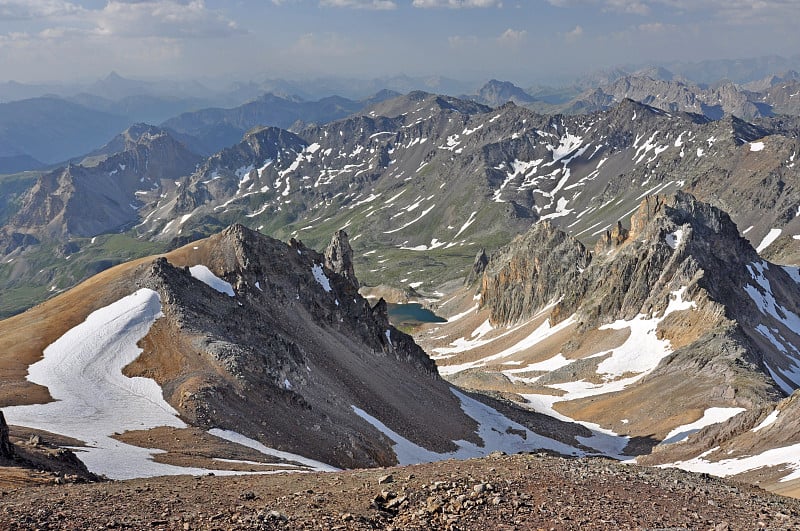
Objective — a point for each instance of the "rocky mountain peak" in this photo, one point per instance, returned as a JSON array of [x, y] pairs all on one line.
[[496, 93], [672, 238], [339, 257], [6, 448]]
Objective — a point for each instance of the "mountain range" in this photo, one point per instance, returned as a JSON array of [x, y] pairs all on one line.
[[619, 282], [245, 346], [381, 176]]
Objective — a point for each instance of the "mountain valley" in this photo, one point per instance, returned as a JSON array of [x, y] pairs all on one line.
[[615, 282]]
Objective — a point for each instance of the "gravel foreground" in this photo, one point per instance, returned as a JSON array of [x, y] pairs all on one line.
[[499, 492]]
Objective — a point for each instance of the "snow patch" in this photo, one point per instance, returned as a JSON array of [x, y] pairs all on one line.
[[674, 239], [204, 275], [238, 438], [497, 432], [712, 415], [772, 417], [643, 350], [93, 399], [768, 239], [321, 278]]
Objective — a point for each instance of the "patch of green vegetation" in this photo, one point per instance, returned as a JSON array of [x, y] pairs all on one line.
[[38, 273], [12, 189]]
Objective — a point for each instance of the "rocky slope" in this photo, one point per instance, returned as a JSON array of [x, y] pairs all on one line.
[[672, 323], [241, 351], [386, 179], [752, 447], [497, 492]]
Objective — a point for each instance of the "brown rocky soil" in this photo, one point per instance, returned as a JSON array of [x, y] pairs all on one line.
[[498, 492]]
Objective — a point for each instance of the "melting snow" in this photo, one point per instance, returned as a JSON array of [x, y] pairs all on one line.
[[768, 239], [497, 432], [567, 145], [643, 350], [321, 278], [756, 146], [204, 275], [424, 213], [83, 372], [674, 239], [540, 334], [788, 456], [712, 415], [772, 417], [238, 438], [466, 225]]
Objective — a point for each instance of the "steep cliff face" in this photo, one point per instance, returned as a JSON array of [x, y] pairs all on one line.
[[532, 271], [673, 241], [339, 257]]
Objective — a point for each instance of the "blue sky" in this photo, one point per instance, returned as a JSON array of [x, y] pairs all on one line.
[[522, 41]]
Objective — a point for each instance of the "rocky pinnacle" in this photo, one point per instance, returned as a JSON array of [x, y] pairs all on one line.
[[339, 257], [6, 448]]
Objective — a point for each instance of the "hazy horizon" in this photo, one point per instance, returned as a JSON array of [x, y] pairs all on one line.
[[471, 40]]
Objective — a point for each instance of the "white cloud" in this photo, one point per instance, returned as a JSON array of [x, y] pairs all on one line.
[[456, 4], [360, 4], [462, 41], [512, 37], [574, 34], [33, 9], [162, 18], [738, 11], [638, 7]]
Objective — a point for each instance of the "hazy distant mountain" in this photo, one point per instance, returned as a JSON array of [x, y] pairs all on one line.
[[145, 108], [495, 93], [101, 194], [735, 70], [772, 80], [216, 128], [354, 88], [51, 130]]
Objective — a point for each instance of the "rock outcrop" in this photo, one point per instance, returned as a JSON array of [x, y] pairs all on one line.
[[530, 272], [6, 448], [339, 257], [478, 267]]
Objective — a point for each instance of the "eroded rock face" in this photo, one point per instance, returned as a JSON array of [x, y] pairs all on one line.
[[6, 448], [478, 267], [528, 273]]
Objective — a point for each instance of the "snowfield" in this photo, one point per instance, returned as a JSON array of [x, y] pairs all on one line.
[[94, 400], [497, 431]]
